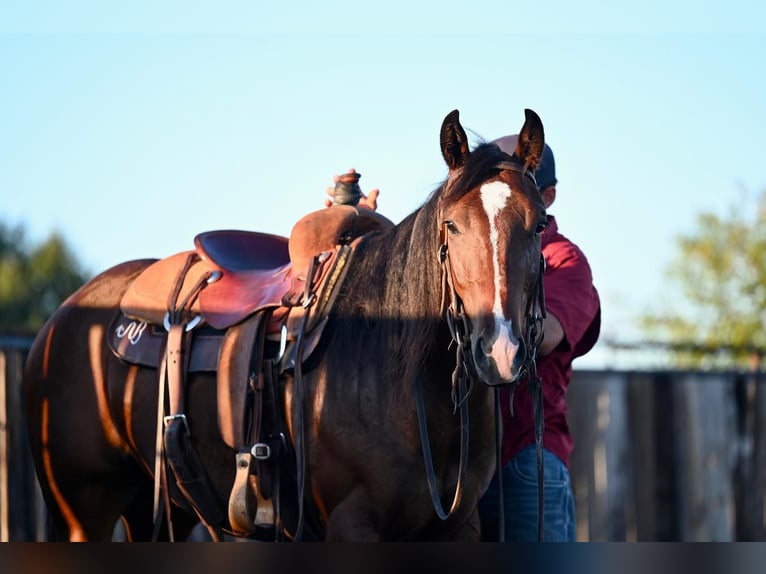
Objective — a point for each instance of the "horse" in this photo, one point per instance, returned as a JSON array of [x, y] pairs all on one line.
[[388, 412]]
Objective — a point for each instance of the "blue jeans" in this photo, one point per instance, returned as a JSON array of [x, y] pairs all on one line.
[[520, 501]]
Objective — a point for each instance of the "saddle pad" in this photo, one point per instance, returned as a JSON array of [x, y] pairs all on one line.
[[226, 353], [142, 343]]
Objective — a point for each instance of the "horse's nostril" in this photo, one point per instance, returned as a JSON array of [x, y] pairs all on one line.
[[480, 354]]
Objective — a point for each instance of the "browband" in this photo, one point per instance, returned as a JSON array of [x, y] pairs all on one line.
[[514, 166]]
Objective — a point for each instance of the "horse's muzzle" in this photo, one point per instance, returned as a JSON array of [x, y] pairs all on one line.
[[501, 361]]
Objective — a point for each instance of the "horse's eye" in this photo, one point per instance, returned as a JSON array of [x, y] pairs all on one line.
[[451, 227], [541, 227]]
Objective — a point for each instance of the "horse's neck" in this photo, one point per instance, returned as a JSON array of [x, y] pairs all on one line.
[[390, 291], [394, 273]]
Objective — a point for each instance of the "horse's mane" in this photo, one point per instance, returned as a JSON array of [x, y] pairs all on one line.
[[393, 293]]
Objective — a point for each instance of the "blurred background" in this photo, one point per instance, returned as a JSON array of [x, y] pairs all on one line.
[[126, 130]]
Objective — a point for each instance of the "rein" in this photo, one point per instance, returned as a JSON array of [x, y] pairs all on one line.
[[535, 331], [462, 379], [464, 375]]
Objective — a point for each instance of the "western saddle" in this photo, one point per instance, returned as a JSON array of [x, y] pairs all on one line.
[[214, 308]]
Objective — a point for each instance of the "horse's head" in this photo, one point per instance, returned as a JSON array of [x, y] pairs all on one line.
[[491, 216]]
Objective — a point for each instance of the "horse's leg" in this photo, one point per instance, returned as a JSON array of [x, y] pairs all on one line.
[[351, 520], [86, 483], [87, 486], [85, 506]]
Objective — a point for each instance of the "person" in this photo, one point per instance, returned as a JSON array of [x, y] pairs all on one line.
[[370, 200], [572, 326]]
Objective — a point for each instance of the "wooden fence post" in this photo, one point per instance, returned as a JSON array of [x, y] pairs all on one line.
[[705, 456], [641, 419], [22, 512], [750, 470], [4, 444], [757, 528]]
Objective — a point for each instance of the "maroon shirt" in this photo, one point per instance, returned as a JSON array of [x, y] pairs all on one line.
[[572, 298]]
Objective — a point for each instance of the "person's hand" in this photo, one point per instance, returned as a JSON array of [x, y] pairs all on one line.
[[369, 201]]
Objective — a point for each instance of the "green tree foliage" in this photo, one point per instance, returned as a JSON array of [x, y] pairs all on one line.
[[34, 281], [721, 273]]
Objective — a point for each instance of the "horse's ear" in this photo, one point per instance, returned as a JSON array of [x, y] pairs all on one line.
[[531, 141], [454, 142]]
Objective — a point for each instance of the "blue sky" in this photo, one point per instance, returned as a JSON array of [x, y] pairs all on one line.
[[131, 128]]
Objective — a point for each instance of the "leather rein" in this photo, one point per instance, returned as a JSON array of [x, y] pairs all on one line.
[[464, 376]]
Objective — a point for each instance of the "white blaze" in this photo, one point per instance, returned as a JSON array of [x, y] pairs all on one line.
[[494, 197]]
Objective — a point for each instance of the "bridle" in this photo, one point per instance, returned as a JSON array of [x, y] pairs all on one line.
[[451, 307], [465, 374]]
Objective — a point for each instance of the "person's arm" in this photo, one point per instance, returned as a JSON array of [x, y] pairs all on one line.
[[571, 301], [553, 335], [370, 201]]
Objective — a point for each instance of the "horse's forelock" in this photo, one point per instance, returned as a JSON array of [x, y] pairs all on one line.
[[477, 168]]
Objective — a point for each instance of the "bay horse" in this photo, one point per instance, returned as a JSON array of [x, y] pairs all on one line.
[[428, 317]]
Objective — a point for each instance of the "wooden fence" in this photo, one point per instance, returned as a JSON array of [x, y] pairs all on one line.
[[669, 456], [659, 456]]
